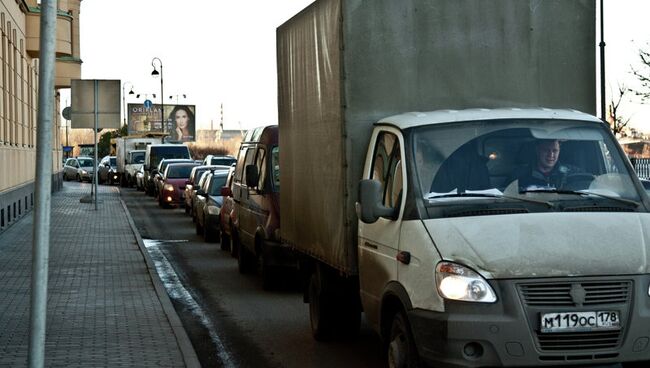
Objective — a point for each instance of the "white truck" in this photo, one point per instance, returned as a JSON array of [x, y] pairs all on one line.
[[415, 183], [130, 152]]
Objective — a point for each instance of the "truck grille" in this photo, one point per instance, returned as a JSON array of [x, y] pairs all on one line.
[[559, 294], [582, 294]]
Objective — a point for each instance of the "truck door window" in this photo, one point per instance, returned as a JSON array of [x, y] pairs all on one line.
[[248, 160], [240, 164], [387, 168], [260, 162], [275, 168]]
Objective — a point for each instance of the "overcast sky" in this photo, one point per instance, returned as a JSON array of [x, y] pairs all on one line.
[[223, 51]]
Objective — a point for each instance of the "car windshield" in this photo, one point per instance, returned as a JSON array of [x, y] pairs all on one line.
[[216, 184], [547, 160], [85, 162], [179, 171], [137, 157], [160, 152], [113, 161], [197, 175], [225, 161]]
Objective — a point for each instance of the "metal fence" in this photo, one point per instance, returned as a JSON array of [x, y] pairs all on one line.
[[641, 166]]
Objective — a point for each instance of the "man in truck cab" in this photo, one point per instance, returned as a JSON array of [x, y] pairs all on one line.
[[546, 172]]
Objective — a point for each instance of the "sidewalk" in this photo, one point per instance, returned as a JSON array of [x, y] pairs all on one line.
[[106, 304]]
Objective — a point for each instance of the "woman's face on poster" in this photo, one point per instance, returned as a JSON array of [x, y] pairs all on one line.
[[182, 120]]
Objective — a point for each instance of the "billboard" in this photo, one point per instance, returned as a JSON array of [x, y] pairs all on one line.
[[180, 120]]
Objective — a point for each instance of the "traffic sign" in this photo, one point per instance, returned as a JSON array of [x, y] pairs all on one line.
[[67, 113], [147, 104]]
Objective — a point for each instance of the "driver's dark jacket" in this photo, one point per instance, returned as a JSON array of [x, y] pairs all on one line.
[[556, 178]]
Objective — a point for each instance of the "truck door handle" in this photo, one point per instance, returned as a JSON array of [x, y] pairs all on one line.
[[370, 245]]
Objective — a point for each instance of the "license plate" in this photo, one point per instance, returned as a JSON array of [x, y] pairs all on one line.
[[580, 321]]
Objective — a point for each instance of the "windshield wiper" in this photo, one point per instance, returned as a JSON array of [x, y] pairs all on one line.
[[491, 195], [583, 193]]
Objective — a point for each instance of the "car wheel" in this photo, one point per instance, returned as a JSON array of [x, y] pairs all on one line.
[[401, 350], [208, 236], [234, 244], [267, 272], [79, 178], [225, 241], [187, 209]]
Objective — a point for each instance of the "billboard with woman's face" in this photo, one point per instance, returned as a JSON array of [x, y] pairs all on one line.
[[180, 121]]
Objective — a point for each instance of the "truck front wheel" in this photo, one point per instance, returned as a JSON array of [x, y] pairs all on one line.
[[402, 352]]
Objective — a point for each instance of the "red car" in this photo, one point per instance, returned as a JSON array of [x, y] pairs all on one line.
[[227, 215], [173, 183]]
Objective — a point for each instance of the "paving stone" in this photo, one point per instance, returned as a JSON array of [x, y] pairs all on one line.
[[102, 309]]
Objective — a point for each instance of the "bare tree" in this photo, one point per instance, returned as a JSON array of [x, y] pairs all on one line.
[[617, 122], [643, 75]]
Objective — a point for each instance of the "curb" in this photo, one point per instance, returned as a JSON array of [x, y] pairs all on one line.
[[187, 350]]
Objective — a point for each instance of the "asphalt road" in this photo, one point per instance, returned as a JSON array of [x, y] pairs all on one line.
[[231, 321]]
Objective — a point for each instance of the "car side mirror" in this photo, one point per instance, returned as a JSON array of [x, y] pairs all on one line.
[[200, 192], [187, 182], [252, 176], [370, 208], [226, 192]]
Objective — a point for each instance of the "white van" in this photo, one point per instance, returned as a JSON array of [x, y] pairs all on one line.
[[155, 153]]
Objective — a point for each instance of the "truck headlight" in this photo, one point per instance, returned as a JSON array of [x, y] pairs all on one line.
[[214, 210], [168, 187], [84, 172], [457, 282]]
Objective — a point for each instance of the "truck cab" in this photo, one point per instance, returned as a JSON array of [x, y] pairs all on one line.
[[463, 261]]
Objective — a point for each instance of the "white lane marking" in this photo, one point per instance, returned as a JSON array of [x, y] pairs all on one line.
[[176, 290]]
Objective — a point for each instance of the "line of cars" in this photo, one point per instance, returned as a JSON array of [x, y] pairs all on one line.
[[234, 201], [82, 168]]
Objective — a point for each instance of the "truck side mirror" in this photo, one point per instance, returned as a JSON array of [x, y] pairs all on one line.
[[370, 208], [252, 176]]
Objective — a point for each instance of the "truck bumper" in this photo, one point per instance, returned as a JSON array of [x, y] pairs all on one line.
[[508, 332]]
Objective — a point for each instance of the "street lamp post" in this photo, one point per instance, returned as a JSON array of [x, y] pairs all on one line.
[[162, 100], [124, 100]]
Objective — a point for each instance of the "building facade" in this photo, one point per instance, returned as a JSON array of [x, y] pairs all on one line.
[[19, 57]]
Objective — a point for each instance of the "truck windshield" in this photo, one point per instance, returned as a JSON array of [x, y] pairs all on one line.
[[551, 160], [137, 157]]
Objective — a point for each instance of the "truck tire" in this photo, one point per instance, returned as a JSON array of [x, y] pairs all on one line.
[[402, 352], [321, 306]]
